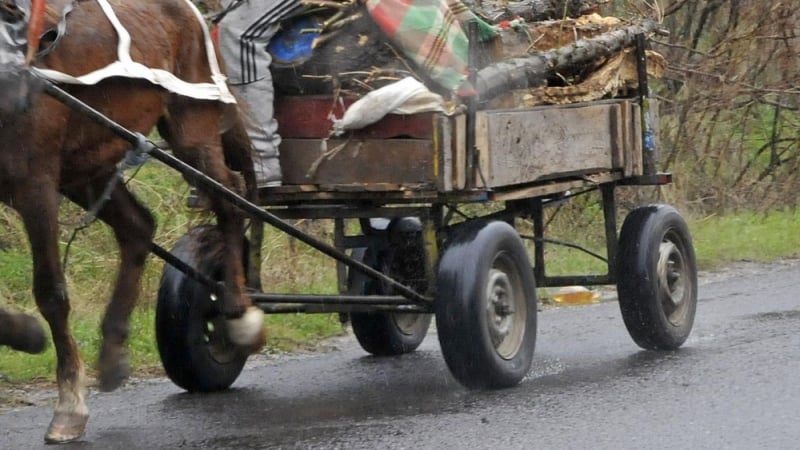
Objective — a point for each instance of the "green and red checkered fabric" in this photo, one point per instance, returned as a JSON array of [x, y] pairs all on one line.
[[429, 33]]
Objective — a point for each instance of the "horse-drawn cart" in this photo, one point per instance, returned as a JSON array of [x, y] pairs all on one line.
[[405, 181], [416, 255]]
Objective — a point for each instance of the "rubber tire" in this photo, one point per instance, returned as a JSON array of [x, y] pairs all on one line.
[[462, 304], [379, 333], [642, 300], [193, 357]]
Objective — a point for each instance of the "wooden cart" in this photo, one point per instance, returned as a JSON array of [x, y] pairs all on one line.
[[417, 256]]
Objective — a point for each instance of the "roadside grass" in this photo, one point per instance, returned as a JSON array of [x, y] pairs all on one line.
[[290, 266], [746, 236]]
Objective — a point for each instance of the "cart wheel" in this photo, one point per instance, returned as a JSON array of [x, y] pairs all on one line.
[[192, 339], [657, 277], [486, 306], [383, 333]]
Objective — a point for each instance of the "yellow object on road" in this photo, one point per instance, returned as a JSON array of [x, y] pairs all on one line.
[[574, 295]]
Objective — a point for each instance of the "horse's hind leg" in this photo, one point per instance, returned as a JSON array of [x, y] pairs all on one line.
[[133, 228], [21, 332], [36, 201], [196, 139]]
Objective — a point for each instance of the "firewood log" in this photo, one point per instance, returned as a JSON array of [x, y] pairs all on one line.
[[533, 70]]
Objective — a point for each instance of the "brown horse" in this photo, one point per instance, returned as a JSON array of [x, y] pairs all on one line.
[[46, 148]]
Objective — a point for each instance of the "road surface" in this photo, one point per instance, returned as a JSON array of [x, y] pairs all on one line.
[[733, 385]]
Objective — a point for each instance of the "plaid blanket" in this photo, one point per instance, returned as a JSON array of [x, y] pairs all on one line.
[[429, 32]]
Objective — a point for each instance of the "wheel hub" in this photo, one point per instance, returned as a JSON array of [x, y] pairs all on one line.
[[670, 272], [502, 313], [500, 305], [407, 323], [672, 280]]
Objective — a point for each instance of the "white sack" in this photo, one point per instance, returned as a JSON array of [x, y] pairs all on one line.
[[407, 96]]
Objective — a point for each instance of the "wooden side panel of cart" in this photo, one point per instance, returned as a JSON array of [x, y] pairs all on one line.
[[428, 151], [521, 146]]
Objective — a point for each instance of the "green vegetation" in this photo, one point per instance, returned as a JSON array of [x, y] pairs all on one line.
[[746, 236]]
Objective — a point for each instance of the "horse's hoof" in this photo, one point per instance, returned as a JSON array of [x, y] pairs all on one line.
[[248, 330], [113, 370], [258, 343], [32, 338], [66, 427]]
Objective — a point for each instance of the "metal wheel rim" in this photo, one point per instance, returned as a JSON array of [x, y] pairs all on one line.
[[407, 324], [506, 309], [674, 281]]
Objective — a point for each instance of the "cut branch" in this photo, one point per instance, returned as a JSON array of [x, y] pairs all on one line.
[[524, 72]]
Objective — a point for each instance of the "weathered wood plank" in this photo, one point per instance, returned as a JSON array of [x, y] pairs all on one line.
[[359, 162], [443, 145], [521, 146], [460, 152], [618, 130], [633, 155], [553, 187]]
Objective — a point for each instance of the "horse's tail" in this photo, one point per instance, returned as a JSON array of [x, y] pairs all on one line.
[[239, 153]]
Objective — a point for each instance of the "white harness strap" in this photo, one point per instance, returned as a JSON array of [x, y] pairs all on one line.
[[126, 67]]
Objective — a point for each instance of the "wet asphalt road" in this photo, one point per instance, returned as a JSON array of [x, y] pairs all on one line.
[[733, 385]]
